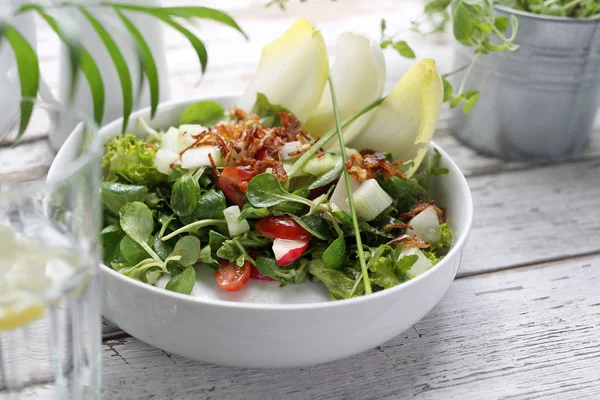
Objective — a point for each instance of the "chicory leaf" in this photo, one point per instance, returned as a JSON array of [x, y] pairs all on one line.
[[184, 282]]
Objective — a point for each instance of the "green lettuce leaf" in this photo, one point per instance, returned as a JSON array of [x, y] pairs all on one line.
[[131, 160]]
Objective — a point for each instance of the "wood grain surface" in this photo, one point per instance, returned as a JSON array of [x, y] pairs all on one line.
[[522, 319]]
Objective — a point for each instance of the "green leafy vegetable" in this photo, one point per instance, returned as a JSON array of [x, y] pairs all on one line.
[[268, 113], [186, 251], [207, 258], [210, 205], [184, 195], [137, 222], [194, 227], [340, 286], [295, 273], [265, 190], [215, 239], [116, 195], [206, 113], [233, 250], [335, 255], [111, 238], [249, 212], [315, 224], [131, 251], [131, 160], [184, 282]]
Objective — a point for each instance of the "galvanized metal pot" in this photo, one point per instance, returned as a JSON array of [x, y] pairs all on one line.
[[539, 102]]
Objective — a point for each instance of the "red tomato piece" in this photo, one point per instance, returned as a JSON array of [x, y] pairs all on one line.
[[282, 228], [229, 182], [230, 277]]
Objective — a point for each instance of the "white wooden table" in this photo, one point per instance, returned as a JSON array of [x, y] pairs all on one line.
[[521, 320]]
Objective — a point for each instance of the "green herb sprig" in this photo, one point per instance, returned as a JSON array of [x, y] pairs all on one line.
[[81, 60], [361, 255]]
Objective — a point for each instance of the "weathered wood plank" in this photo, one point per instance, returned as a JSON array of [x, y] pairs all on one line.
[[528, 333], [533, 215]]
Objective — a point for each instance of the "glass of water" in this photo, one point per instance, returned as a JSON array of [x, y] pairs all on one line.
[[50, 327]]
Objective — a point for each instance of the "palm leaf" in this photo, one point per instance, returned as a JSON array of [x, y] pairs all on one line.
[[185, 12], [194, 41], [147, 64], [29, 73], [86, 64], [120, 64]]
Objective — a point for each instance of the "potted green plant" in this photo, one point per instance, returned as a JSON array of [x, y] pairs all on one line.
[[538, 97]]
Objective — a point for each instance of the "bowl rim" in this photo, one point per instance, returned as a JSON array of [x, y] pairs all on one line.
[[191, 300]]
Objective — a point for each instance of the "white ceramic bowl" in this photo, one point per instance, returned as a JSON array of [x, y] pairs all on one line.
[[264, 325]]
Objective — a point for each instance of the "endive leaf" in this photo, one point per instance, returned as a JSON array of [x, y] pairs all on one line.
[[292, 71], [405, 122], [118, 60], [147, 64], [29, 73], [358, 75]]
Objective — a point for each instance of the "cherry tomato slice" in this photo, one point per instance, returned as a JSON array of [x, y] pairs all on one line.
[[282, 228], [230, 277], [229, 182]]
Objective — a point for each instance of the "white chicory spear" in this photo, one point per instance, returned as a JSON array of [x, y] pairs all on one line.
[[358, 75], [405, 122], [292, 72]]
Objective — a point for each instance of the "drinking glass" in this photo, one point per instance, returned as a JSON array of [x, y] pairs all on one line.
[[50, 327]]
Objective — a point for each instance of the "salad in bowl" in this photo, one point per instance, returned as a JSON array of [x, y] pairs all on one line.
[[306, 220], [254, 192]]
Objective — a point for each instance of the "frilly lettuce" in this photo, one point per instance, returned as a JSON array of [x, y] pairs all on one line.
[[131, 160]]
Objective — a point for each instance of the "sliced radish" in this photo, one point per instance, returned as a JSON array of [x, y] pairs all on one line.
[[164, 159], [199, 156], [288, 251], [426, 225]]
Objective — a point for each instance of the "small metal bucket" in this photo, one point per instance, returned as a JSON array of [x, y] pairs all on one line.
[[539, 102]]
